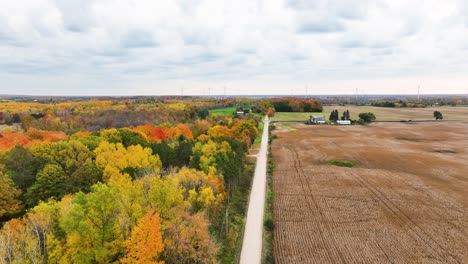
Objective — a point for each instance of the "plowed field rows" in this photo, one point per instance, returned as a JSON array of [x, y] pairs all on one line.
[[406, 201]]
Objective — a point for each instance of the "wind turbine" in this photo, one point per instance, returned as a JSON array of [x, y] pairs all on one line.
[[419, 87]]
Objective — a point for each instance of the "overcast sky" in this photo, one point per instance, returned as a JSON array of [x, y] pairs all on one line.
[[156, 47]]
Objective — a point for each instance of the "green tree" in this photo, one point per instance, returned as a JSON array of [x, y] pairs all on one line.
[[130, 137], [70, 155], [438, 115], [85, 177], [166, 153], [90, 227], [366, 117], [16, 118], [51, 182], [92, 141], [20, 165], [345, 115], [334, 116]]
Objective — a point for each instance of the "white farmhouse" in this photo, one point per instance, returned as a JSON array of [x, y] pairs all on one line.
[[317, 120]]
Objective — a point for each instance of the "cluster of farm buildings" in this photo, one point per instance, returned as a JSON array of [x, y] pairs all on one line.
[[321, 120]]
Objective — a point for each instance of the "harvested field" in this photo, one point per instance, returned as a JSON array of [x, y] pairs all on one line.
[[405, 202]]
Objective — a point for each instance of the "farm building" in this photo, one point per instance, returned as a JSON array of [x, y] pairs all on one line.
[[343, 122], [317, 120]]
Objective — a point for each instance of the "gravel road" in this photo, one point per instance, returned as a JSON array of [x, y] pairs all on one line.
[[252, 245]]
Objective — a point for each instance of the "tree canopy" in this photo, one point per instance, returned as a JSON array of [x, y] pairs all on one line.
[[366, 117], [438, 115]]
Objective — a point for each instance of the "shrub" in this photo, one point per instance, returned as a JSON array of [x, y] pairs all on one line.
[[343, 163], [268, 223]]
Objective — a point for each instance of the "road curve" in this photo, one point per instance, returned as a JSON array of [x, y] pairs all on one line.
[[252, 245]]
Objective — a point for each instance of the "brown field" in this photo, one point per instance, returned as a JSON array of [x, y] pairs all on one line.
[[405, 202]]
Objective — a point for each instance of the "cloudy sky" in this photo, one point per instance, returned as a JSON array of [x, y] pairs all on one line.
[[154, 47]]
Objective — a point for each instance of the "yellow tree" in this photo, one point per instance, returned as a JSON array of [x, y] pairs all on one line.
[[220, 132], [128, 196], [111, 135], [17, 244], [90, 227], [145, 243], [246, 130], [202, 191], [113, 158], [162, 195], [204, 155], [9, 203]]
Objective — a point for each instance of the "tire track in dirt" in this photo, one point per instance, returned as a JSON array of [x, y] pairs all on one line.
[[325, 243], [283, 230], [402, 216], [421, 192], [380, 198], [286, 234], [433, 207], [416, 232], [338, 254], [416, 235]]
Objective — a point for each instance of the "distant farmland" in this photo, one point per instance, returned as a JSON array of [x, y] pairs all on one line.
[[404, 201], [383, 113]]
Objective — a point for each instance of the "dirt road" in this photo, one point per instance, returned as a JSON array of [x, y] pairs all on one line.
[[252, 245], [405, 202]]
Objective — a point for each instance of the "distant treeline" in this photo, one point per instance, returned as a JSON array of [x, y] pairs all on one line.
[[94, 115], [291, 105]]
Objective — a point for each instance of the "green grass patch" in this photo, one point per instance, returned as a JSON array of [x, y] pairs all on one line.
[[223, 111], [294, 116], [230, 111], [268, 217], [286, 126], [342, 163], [444, 151], [258, 139]]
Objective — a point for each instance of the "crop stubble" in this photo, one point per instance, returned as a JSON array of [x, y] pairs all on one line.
[[404, 203]]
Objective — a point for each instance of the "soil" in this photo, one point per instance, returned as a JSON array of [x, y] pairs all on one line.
[[405, 202]]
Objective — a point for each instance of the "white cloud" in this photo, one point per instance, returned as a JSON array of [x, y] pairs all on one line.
[[119, 46]]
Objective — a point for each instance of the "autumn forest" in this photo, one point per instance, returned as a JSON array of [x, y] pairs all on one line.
[[146, 180]]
